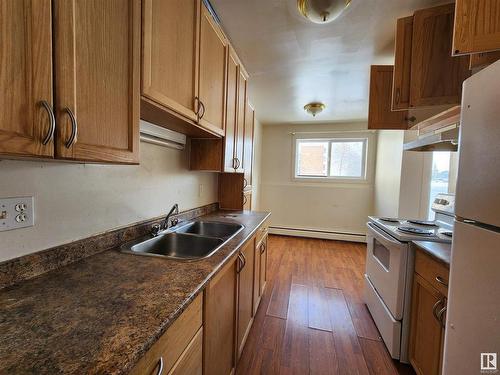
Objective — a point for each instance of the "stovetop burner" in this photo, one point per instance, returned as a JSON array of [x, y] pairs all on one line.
[[423, 222], [418, 231], [389, 219]]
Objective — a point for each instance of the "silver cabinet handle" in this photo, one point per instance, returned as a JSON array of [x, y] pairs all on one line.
[[74, 128], [240, 263], [441, 281], [440, 316], [244, 260], [435, 307], [244, 199], [203, 109], [238, 163], [52, 122], [262, 248], [245, 183], [160, 364]]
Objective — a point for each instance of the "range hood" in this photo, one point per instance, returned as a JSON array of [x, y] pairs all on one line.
[[439, 140]]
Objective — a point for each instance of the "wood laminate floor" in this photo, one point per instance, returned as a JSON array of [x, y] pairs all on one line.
[[312, 319]]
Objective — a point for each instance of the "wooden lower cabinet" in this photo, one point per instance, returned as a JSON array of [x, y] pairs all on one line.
[[180, 348], [220, 321], [428, 313], [260, 271], [245, 294]]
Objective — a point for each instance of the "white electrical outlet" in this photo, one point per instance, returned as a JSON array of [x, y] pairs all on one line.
[[16, 213]]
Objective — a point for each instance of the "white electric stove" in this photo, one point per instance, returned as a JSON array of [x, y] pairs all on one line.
[[390, 267]]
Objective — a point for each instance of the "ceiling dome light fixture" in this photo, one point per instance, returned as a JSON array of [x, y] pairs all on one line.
[[322, 11], [314, 108]]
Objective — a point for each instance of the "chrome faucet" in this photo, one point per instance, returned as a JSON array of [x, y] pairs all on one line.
[[166, 223]]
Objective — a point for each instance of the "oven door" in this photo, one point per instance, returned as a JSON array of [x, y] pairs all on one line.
[[386, 262]]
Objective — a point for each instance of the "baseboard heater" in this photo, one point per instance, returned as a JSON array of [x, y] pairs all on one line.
[[317, 233]]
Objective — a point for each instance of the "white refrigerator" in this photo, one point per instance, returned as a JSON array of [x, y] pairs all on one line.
[[472, 336]]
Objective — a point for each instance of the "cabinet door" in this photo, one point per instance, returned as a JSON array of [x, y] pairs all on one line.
[[256, 277], [263, 265], [402, 64], [477, 26], [220, 322], [170, 53], [240, 123], [245, 294], [380, 115], [191, 361], [436, 76], [26, 78], [248, 144], [231, 111], [425, 331], [212, 73], [97, 74]]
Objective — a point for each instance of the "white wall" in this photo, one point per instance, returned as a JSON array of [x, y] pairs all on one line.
[[331, 207], [257, 165], [388, 172], [74, 201]]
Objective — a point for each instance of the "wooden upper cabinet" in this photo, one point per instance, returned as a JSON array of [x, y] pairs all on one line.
[[477, 26], [436, 76], [26, 78], [212, 73], [402, 65], [248, 144], [97, 78], [380, 115], [170, 52], [240, 123], [231, 111]]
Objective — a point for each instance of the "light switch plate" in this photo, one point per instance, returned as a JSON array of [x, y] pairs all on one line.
[[16, 213]]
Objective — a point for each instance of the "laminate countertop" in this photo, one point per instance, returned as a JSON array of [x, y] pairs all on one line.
[[101, 314], [439, 251]]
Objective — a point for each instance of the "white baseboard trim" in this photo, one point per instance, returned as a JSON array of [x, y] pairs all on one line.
[[322, 234]]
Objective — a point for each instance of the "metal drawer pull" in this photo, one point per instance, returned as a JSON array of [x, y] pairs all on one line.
[[435, 307], [244, 260], [245, 183], [441, 281], [238, 163], [244, 199], [440, 316], [203, 110], [240, 264], [160, 369], [74, 128], [52, 122], [262, 248]]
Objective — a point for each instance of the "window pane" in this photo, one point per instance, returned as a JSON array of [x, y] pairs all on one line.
[[312, 158], [347, 159], [439, 178]]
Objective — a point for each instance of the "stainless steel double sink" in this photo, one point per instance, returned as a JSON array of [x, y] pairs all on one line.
[[187, 241]]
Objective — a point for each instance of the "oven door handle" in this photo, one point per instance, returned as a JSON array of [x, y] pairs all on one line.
[[380, 233]]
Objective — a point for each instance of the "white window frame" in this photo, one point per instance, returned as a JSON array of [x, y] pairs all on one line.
[[330, 140]]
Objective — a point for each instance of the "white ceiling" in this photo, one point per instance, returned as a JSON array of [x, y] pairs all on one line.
[[292, 61]]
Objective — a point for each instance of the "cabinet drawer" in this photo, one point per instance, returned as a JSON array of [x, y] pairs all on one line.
[[191, 361], [174, 342], [432, 271]]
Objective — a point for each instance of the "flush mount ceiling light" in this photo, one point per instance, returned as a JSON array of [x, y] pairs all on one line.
[[314, 108], [322, 11]]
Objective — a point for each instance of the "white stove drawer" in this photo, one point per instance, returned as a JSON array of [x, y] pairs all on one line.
[[389, 328], [386, 263]]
